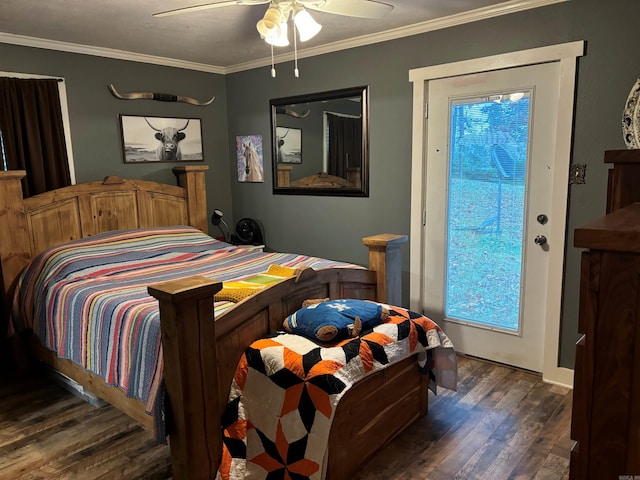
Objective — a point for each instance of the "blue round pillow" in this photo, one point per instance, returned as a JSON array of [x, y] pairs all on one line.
[[333, 320]]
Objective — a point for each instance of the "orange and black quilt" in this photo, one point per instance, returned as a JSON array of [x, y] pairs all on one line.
[[286, 389]]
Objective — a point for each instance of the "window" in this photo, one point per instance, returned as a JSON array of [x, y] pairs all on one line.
[[36, 135]]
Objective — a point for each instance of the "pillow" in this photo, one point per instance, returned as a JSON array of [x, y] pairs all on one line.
[[239, 290], [333, 320]]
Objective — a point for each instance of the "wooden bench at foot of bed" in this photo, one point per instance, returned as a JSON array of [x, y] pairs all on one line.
[[369, 415]]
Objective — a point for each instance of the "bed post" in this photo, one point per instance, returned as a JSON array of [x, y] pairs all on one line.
[[191, 375], [191, 178], [15, 253], [15, 250], [386, 260]]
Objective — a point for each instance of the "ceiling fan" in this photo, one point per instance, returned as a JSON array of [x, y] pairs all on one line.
[[350, 8], [273, 26]]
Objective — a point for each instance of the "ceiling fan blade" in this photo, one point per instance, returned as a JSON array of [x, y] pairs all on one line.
[[350, 8], [207, 6]]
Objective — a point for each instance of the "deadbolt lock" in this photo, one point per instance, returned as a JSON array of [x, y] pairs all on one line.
[[540, 240]]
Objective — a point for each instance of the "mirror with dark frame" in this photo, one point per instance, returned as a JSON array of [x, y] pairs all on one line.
[[321, 143]]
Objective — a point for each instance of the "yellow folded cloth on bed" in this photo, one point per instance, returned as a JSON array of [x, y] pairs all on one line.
[[239, 290]]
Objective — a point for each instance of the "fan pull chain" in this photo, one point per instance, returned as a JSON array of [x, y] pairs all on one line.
[[295, 52], [273, 67]]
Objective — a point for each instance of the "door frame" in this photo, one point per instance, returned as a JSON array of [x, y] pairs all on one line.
[[566, 54]]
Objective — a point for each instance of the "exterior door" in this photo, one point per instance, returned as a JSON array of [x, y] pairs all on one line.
[[490, 138]]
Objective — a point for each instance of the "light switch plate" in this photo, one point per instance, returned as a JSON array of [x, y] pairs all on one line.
[[577, 173]]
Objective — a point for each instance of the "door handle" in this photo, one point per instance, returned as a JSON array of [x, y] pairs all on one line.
[[540, 240]]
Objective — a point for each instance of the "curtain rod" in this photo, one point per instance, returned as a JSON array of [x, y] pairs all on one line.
[[57, 79]]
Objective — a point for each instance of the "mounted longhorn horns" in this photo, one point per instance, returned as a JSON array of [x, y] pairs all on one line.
[[292, 113], [162, 97]]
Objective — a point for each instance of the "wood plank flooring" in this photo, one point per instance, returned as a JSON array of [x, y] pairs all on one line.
[[502, 423]]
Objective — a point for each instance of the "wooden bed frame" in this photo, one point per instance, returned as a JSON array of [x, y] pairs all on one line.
[[200, 356]]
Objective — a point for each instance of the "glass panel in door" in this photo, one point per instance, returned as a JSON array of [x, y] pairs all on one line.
[[489, 138]]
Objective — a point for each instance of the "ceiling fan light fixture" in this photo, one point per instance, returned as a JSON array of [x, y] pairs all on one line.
[[305, 24], [280, 37], [263, 30], [270, 23], [273, 16]]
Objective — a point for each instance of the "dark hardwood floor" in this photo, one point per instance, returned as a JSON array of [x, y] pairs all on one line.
[[502, 423]]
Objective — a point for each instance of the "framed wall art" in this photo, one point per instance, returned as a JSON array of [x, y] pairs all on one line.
[[289, 145], [161, 139], [249, 158]]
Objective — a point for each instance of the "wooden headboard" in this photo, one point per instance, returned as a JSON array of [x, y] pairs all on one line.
[[28, 226]]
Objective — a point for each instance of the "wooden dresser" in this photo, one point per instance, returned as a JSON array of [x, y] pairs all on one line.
[[605, 420]]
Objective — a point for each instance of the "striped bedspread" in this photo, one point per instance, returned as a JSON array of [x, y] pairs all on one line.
[[87, 300]]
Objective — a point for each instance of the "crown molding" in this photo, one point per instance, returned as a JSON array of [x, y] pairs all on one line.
[[106, 52], [505, 8]]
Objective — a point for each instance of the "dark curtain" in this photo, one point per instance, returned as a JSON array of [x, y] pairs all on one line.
[[345, 144], [33, 134]]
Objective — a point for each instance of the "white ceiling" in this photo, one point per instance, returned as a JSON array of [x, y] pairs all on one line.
[[220, 40]]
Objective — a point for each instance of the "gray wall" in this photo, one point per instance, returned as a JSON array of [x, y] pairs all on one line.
[[93, 112], [332, 226]]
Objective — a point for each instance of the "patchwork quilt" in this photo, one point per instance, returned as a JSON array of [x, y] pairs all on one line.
[[286, 389]]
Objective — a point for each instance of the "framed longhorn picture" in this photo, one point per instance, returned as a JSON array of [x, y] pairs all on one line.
[[289, 146], [161, 139]]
